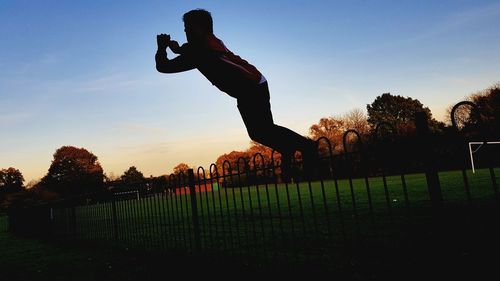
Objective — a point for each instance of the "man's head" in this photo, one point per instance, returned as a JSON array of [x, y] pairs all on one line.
[[197, 25]]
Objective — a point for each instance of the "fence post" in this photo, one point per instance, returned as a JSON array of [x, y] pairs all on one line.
[[425, 149], [194, 211], [115, 218]]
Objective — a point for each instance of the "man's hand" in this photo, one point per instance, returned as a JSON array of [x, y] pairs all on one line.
[[174, 46], [163, 41]]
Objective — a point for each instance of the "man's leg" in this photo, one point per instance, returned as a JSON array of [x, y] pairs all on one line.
[[257, 116]]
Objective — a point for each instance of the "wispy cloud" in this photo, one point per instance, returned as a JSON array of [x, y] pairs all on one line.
[[446, 24], [458, 20], [49, 58], [12, 118], [140, 128], [107, 84]]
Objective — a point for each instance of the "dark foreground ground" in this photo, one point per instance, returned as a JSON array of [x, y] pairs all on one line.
[[459, 245]]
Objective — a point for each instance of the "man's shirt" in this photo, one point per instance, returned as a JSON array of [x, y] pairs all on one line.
[[225, 70]]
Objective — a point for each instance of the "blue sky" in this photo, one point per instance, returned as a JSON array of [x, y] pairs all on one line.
[[82, 73]]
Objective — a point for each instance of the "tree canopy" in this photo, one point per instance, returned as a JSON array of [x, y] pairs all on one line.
[[132, 178], [488, 103], [181, 168], [74, 171], [399, 111], [11, 181]]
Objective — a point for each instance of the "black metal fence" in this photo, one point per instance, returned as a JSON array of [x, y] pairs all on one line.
[[359, 196]]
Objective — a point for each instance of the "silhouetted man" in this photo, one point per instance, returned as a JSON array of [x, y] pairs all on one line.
[[236, 77]]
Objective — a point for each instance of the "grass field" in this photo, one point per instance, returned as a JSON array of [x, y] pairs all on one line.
[[27, 259], [392, 238], [295, 220]]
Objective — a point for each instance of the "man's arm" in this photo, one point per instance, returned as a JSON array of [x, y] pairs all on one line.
[[163, 64]]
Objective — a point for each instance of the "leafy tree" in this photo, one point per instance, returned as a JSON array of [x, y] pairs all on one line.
[[266, 153], [488, 103], [74, 171], [181, 168], [158, 184], [488, 111], [399, 111], [331, 128], [232, 158], [133, 179], [11, 181]]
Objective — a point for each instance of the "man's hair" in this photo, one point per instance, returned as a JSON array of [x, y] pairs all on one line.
[[200, 18]]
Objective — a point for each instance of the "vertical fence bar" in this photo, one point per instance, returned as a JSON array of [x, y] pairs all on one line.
[[229, 224], [73, 222], [138, 217], [292, 225], [120, 216], [180, 213], [278, 205], [156, 216], [494, 183], [405, 192], [194, 211], [224, 179], [211, 226], [301, 209], [134, 237], [223, 234], [166, 219], [387, 198], [174, 212], [370, 204], [250, 205], [466, 186], [144, 220], [354, 205], [325, 207], [263, 172], [219, 232], [242, 199], [431, 174], [114, 220]]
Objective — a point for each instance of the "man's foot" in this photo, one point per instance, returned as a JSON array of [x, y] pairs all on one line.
[[310, 160]]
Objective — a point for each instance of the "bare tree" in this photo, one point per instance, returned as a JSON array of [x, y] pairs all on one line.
[[357, 119]]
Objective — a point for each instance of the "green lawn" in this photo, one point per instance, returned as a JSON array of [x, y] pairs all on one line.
[[30, 259], [278, 220], [27, 259]]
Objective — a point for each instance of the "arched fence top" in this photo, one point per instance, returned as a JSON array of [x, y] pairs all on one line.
[[474, 110], [198, 173], [272, 157], [262, 160], [245, 164], [230, 170], [174, 180], [328, 142], [213, 167], [358, 136], [273, 163]]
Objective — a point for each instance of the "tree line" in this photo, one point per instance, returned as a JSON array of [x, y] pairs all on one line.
[[76, 171]]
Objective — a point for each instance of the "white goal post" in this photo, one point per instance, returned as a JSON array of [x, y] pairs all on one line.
[[128, 192], [471, 152]]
